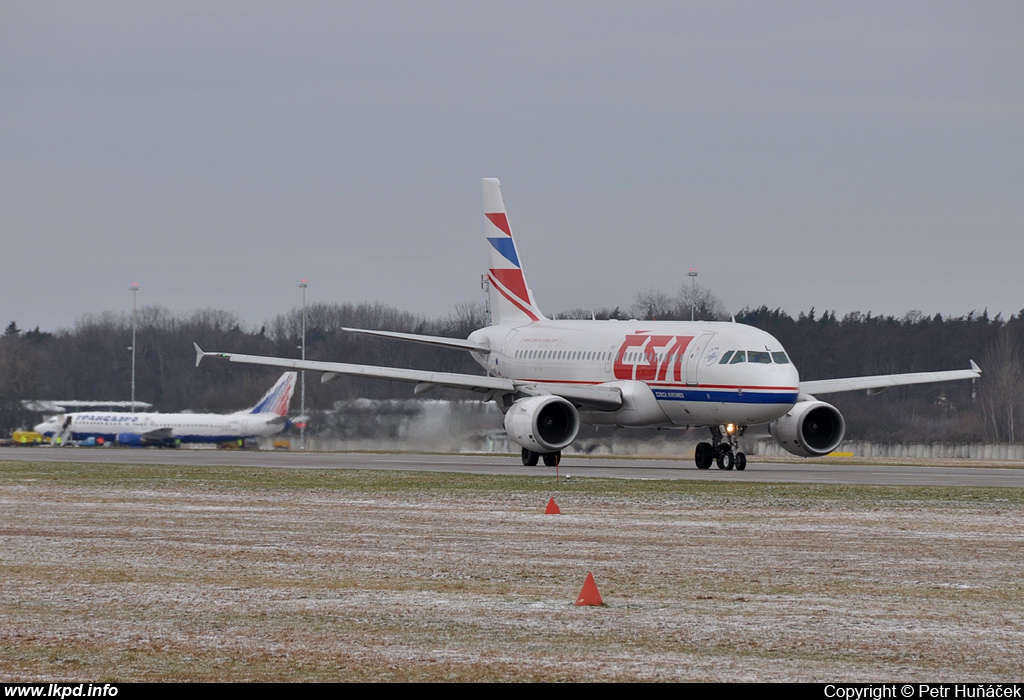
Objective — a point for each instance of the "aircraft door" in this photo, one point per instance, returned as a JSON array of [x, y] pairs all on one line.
[[697, 349], [609, 360], [505, 354]]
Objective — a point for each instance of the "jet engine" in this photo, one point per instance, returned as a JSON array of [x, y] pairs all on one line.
[[130, 440], [139, 440], [542, 423], [810, 429]]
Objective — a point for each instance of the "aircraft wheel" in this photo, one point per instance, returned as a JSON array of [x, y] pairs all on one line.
[[741, 461], [726, 460], [552, 459], [530, 458], [704, 455]]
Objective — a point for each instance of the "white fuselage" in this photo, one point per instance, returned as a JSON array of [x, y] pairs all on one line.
[[183, 427], [671, 373]]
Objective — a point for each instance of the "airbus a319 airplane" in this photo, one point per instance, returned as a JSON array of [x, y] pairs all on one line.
[[267, 417], [550, 376]]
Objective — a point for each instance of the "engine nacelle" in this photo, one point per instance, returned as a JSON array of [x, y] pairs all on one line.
[[542, 423], [810, 429], [130, 440]]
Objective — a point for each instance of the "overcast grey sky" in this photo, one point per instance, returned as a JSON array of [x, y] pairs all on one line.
[[848, 156]]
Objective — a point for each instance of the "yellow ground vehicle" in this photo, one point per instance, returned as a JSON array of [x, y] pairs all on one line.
[[29, 438]]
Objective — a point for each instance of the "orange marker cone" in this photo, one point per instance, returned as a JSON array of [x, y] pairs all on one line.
[[552, 508], [589, 595]]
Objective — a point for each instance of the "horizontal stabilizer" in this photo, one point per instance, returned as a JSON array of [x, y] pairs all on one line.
[[456, 343]]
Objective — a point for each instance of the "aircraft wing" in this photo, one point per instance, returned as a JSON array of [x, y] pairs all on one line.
[[157, 435], [599, 397], [880, 382], [426, 378], [603, 398]]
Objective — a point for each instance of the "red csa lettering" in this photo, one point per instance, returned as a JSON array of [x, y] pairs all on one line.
[[649, 358]]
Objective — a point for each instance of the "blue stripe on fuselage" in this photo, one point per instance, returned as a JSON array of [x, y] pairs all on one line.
[[717, 396], [112, 437]]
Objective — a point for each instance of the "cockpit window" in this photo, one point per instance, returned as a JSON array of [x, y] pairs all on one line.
[[763, 358], [735, 357]]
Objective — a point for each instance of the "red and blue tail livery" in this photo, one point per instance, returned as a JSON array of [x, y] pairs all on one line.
[[510, 297], [276, 400]]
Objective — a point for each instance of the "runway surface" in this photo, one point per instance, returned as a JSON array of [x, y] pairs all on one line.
[[574, 466]]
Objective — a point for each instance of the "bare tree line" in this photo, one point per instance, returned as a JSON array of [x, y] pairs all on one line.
[[92, 360]]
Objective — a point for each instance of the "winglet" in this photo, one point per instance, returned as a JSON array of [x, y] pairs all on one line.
[[200, 354], [974, 366]]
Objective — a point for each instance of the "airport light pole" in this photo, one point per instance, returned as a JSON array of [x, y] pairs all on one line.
[[134, 289], [302, 401], [692, 274]]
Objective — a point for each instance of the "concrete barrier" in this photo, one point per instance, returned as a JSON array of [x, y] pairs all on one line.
[[896, 450]]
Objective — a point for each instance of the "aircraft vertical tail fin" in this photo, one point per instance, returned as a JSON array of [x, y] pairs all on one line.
[[280, 395], [510, 298]]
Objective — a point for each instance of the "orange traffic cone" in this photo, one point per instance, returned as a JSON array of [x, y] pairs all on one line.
[[552, 508], [589, 595]]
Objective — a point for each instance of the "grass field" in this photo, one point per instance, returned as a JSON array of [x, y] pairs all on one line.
[[151, 573]]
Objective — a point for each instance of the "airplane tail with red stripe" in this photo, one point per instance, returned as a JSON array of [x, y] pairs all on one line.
[[277, 399], [511, 300]]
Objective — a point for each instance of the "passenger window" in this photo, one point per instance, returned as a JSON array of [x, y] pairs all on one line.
[[740, 356]]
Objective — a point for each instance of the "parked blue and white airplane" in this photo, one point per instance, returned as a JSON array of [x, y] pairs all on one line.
[[267, 417], [550, 376]]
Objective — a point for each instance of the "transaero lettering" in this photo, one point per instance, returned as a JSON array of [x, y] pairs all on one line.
[[923, 690], [110, 418]]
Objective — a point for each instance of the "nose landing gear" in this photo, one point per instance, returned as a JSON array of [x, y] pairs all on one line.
[[721, 449]]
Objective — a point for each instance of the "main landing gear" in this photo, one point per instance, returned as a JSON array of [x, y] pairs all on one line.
[[721, 451], [551, 459]]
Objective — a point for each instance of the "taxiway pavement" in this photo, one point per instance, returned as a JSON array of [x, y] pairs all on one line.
[[809, 472]]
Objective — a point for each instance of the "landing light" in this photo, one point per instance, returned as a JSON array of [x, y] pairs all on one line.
[[730, 428]]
